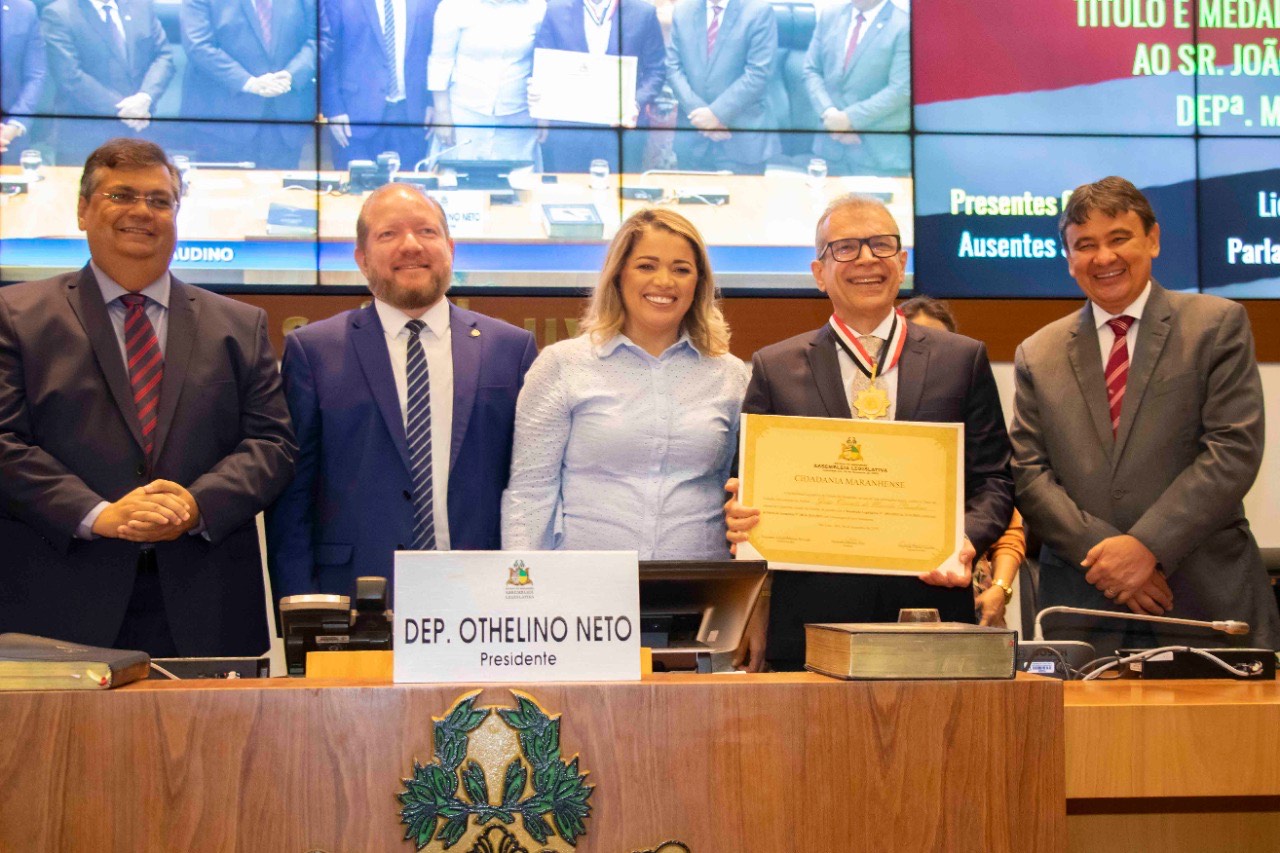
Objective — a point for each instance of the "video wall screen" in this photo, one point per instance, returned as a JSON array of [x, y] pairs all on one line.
[[541, 124]]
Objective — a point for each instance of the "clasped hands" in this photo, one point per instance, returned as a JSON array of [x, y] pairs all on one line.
[[135, 111], [160, 511], [269, 85], [739, 520], [709, 124], [1125, 571]]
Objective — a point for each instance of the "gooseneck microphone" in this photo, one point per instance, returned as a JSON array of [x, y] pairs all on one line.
[[1227, 626]]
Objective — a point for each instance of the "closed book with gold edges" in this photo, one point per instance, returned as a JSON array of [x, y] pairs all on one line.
[[910, 650], [39, 663]]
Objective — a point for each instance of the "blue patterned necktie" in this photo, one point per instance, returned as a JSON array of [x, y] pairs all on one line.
[[418, 430], [389, 47]]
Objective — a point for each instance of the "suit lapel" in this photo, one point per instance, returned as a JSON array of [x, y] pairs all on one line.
[[85, 298], [913, 368], [255, 23], [839, 37], [466, 346], [873, 30], [101, 27], [825, 368], [1153, 333], [183, 322], [1086, 361], [726, 33], [370, 344], [410, 18]]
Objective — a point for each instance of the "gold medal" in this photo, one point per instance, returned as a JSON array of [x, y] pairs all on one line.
[[872, 403]]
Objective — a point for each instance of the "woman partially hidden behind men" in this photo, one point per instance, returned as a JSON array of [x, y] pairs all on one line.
[[625, 434]]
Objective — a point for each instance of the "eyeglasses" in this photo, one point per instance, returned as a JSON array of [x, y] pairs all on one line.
[[881, 246], [156, 201]]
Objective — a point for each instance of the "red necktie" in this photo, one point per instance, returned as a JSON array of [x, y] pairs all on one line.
[[263, 8], [146, 366], [853, 40], [1117, 368], [714, 28]]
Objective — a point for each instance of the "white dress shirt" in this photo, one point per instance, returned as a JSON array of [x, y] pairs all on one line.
[[867, 17], [1106, 337], [116, 20], [888, 381], [437, 344], [598, 34]]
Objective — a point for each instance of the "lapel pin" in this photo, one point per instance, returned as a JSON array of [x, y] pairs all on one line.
[[475, 333]]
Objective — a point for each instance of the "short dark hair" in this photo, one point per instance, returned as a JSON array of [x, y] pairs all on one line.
[[929, 307], [362, 224], [1113, 196], [125, 153]]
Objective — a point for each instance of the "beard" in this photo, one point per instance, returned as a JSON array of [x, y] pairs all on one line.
[[411, 298]]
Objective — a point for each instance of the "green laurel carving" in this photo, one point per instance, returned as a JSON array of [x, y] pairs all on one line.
[[432, 807]]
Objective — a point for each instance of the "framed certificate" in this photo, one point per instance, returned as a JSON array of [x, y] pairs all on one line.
[[853, 496]]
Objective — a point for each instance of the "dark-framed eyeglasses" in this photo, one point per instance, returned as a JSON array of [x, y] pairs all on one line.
[[848, 249], [161, 202]]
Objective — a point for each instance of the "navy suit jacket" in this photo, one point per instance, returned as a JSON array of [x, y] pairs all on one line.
[[942, 377], [349, 509], [22, 59], [69, 439], [91, 73], [225, 46], [355, 75]]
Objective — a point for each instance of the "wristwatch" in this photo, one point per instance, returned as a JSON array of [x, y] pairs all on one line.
[[1006, 586]]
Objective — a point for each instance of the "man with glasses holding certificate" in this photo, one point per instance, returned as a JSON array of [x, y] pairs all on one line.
[[142, 426], [868, 363]]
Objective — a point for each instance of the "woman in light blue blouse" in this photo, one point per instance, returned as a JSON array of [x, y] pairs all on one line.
[[625, 434]]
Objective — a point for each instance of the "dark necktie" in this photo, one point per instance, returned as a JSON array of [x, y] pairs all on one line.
[[263, 8], [114, 28], [714, 28], [418, 430], [389, 46], [1118, 368], [853, 41], [146, 366]]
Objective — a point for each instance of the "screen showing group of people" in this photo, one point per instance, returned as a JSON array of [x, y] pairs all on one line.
[[541, 125]]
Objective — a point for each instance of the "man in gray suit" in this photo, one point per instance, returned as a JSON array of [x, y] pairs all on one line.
[[718, 64], [858, 73], [1138, 429]]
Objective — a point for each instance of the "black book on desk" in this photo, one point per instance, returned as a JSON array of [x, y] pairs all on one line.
[[28, 662]]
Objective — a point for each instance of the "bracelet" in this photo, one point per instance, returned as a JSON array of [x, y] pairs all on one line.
[[1006, 586]]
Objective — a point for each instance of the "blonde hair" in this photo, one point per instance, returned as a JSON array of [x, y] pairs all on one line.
[[606, 315]]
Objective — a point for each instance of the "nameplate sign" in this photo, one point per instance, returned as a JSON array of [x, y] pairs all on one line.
[[529, 616]]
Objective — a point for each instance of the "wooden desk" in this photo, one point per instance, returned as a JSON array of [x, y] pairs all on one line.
[[1173, 766], [758, 764]]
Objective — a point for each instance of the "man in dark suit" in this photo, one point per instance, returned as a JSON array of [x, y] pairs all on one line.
[[939, 376], [615, 28], [858, 74], [142, 427], [253, 62], [22, 68], [109, 59], [1137, 432], [718, 64], [404, 411], [376, 101]]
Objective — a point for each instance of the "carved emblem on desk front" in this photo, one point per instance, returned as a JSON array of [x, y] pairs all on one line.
[[498, 781]]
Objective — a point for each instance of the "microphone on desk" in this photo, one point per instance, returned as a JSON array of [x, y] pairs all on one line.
[[1227, 626]]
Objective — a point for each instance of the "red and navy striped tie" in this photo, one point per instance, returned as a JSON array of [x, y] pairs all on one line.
[[146, 366], [1118, 368]]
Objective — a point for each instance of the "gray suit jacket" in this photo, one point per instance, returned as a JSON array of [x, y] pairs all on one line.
[[69, 438], [732, 80], [1187, 450], [874, 91]]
